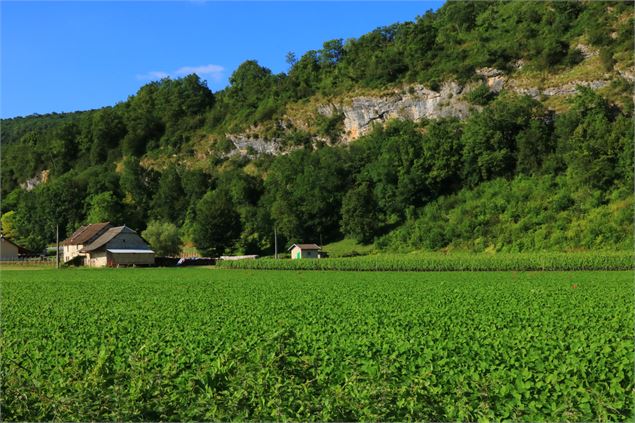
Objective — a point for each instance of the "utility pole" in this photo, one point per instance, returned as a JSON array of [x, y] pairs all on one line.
[[275, 241], [57, 250]]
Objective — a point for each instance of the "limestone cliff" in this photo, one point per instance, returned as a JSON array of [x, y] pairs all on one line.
[[416, 102]]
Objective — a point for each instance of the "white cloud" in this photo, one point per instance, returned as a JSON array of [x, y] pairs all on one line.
[[153, 75], [213, 72]]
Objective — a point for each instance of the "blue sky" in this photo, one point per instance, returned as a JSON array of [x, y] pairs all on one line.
[[67, 56]]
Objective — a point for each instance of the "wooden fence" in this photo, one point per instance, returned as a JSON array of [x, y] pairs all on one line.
[[29, 261]]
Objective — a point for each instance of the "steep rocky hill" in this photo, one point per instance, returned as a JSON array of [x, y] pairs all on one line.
[[358, 138]]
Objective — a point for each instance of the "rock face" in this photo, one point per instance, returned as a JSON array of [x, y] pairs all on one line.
[[565, 89], [31, 183], [245, 145], [415, 104], [419, 102]]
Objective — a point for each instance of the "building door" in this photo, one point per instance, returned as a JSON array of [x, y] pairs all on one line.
[[298, 255]]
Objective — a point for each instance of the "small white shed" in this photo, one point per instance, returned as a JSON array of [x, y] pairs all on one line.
[[300, 251]]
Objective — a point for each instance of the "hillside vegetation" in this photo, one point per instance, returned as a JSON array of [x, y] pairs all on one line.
[[518, 174]]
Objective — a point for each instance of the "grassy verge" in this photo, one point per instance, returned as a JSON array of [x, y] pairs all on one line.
[[450, 262]]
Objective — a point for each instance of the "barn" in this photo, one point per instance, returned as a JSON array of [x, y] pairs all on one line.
[[299, 251], [80, 238], [118, 246]]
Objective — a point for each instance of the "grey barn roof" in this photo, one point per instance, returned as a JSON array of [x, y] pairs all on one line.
[[106, 237]]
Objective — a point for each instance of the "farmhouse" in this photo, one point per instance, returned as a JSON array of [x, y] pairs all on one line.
[[9, 250], [304, 251], [119, 246], [82, 237]]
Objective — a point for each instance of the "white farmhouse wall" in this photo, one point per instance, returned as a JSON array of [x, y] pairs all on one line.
[[96, 259], [71, 251]]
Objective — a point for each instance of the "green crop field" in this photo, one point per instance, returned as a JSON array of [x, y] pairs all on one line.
[[432, 261], [210, 344]]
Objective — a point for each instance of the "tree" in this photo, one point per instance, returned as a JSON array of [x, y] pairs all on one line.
[[8, 225], [108, 129], [217, 224], [594, 141], [441, 156], [104, 207], [360, 219], [332, 52], [304, 192], [138, 184], [250, 84], [163, 237], [534, 144], [395, 169], [489, 137], [291, 59], [170, 201]]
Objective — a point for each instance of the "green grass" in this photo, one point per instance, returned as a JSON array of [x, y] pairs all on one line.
[[449, 262], [198, 344], [347, 247]]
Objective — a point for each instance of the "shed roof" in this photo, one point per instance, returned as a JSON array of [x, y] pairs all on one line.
[[305, 247], [9, 241], [87, 233], [105, 237], [21, 250]]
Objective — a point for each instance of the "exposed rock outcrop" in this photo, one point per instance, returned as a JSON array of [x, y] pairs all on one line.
[[415, 104], [565, 89], [587, 51], [246, 145], [31, 183]]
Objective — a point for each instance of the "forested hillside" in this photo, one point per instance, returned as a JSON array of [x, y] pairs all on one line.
[[518, 172]]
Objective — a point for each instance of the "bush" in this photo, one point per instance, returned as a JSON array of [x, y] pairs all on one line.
[[480, 95], [163, 237], [606, 58]]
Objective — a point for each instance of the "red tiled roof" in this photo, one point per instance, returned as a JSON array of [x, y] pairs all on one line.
[[86, 234]]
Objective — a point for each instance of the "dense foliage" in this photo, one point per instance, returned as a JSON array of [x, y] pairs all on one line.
[[163, 154], [163, 238], [201, 345]]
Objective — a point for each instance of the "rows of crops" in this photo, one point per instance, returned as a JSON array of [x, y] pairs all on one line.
[[203, 344], [449, 262]]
